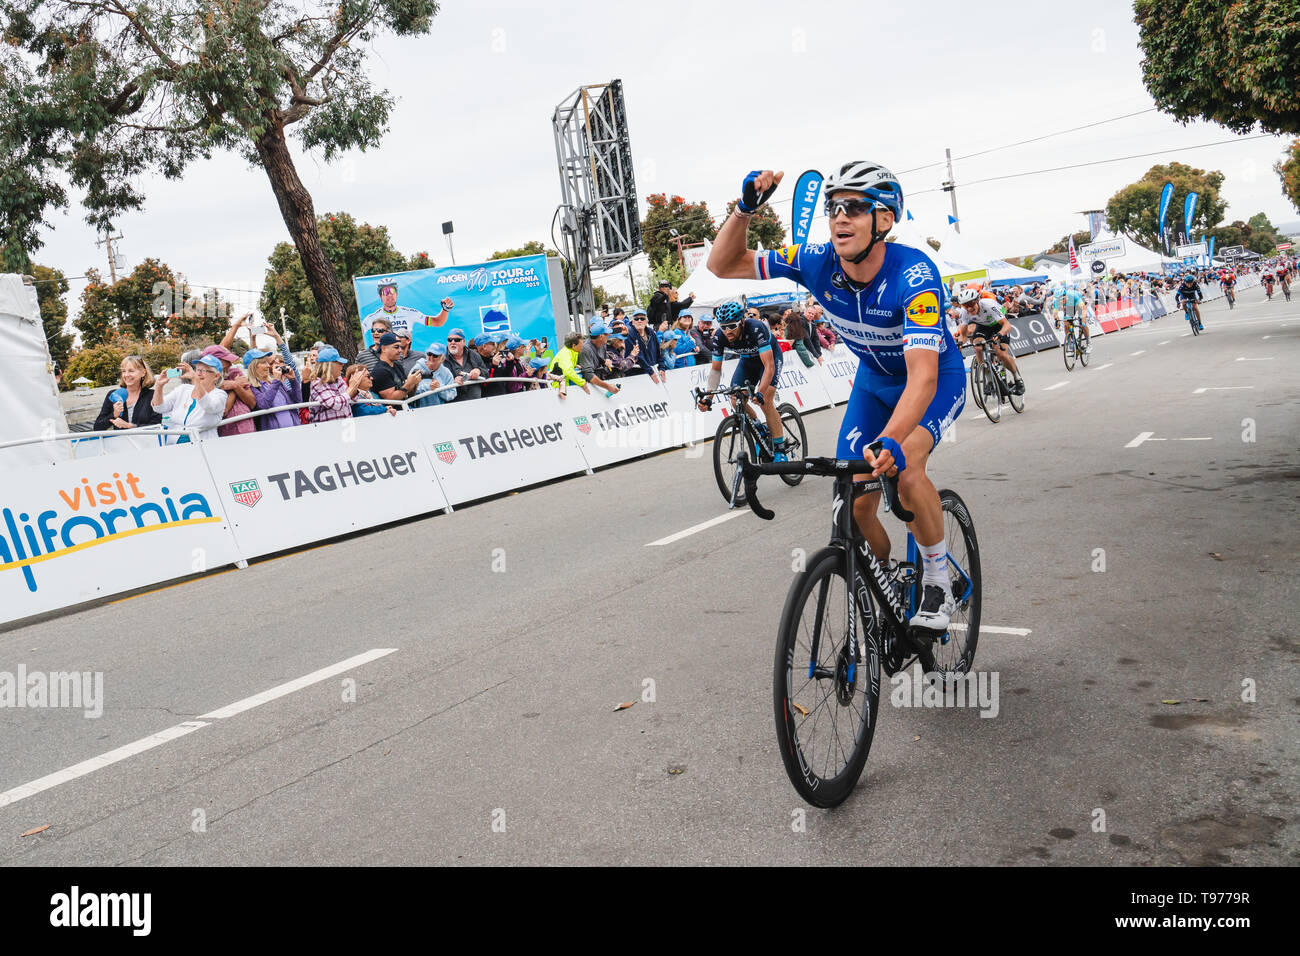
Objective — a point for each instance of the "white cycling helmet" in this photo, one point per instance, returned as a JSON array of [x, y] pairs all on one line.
[[966, 296], [872, 180]]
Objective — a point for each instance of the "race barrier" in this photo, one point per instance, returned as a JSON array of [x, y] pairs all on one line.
[[1032, 332], [138, 513]]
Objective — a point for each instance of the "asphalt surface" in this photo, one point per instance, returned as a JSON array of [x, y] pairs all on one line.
[[490, 735]]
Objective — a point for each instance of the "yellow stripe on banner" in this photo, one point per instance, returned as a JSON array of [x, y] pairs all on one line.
[[104, 540]]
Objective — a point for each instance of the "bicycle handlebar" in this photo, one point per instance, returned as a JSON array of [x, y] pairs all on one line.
[[825, 468]]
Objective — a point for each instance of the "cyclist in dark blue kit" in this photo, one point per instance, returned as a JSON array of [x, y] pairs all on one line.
[[1190, 290], [759, 368], [886, 303]]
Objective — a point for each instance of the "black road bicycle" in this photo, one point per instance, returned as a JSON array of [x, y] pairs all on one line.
[[991, 382], [1073, 349], [739, 433], [1190, 314], [846, 620]]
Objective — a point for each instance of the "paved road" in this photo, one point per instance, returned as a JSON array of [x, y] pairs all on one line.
[[489, 735]]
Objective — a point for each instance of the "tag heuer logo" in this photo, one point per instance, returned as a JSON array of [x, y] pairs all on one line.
[[246, 492], [584, 426], [446, 451]]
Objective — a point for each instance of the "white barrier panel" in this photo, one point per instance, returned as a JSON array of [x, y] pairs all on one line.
[[497, 444], [291, 486], [801, 387], [77, 530], [837, 372], [697, 425], [640, 419]]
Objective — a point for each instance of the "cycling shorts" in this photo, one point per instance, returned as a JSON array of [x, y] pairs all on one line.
[[874, 397], [1072, 309], [750, 369]]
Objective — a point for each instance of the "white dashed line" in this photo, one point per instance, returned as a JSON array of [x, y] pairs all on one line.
[[1057, 385], [695, 528]]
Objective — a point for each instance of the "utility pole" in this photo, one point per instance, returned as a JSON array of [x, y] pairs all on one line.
[[950, 187], [112, 259]]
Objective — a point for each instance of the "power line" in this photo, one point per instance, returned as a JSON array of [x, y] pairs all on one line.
[[1098, 162]]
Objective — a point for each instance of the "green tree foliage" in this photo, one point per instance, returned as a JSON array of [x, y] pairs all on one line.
[[51, 287], [764, 226], [1135, 209], [138, 304], [101, 363], [1080, 238], [120, 89], [1258, 235], [1288, 168], [1231, 63], [531, 248], [666, 213], [353, 249]]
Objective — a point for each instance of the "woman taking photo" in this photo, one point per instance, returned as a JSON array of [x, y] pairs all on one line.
[[131, 405], [200, 404]]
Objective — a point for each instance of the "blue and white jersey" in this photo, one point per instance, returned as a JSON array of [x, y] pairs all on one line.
[[899, 310], [755, 338]]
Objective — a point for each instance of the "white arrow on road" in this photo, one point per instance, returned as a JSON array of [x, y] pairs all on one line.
[[1147, 436]]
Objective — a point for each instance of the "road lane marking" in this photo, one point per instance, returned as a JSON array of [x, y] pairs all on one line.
[[695, 528], [1219, 388], [1184, 335], [1267, 337], [1057, 385], [1138, 352], [315, 677], [1165, 342], [1100, 367], [1268, 359], [1142, 436], [990, 629], [77, 770], [69, 774], [1192, 439]]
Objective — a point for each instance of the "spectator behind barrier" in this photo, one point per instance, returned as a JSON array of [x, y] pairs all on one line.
[[664, 308], [594, 363], [565, 363], [668, 348], [806, 333], [685, 349], [703, 336], [794, 328], [643, 346], [330, 388], [363, 398], [466, 366], [274, 384], [825, 334], [388, 380], [537, 370], [433, 371], [369, 357], [131, 404], [240, 399], [510, 363], [406, 359], [200, 404], [616, 352]]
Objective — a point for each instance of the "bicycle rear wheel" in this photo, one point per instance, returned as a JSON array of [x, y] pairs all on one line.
[[954, 652], [1016, 401], [1067, 351], [792, 424], [728, 442], [826, 703]]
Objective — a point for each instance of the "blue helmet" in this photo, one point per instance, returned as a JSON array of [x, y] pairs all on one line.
[[729, 313]]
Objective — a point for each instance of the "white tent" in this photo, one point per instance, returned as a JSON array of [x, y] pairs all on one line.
[[1136, 257], [709, 290], [957, 246], [911, 232], [27, 390]]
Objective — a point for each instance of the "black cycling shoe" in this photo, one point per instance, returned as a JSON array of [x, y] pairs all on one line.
[[1018, 388]]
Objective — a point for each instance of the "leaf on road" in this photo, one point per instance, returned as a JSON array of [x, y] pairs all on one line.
[[37, 830], [1171, 702], [388, 751], [799, 707], [624, 706], [676, 770], [917, 737], [1216, 556]]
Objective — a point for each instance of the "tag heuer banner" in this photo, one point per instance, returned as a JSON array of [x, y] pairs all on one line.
[[506, 295]]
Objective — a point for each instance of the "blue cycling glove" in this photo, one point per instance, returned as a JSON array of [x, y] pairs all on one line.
[[891, 446], [750, 198]]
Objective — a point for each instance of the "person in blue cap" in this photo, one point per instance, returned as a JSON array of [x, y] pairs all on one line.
[[668, 345], [509, 363], [594, 363], [616, 352], [433, 371], [199, 404]]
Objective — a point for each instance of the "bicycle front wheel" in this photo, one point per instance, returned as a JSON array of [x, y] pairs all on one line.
[[1017, 401], [826, 682], [954, 652], [1067, 350], [992, 403], [792, 425], [728, 443]]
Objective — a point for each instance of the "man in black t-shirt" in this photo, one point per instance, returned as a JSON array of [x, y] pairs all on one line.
[[389, 380]]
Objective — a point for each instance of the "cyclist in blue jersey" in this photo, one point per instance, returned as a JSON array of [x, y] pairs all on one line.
[[885, 301], [1070, 302], [760, 366]]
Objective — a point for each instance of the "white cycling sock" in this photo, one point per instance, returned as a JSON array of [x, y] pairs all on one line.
[[935, 559]]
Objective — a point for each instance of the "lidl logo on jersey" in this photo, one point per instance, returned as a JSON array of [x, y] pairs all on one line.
[[788, 253], [924, 309]]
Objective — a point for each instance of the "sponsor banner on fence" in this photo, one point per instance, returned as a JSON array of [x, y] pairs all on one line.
[[497, 444], [838, 369], [291, 486], [799, 385], [1032, 332], [642, 418], [1121, 313], [681, 383], [78, 530]]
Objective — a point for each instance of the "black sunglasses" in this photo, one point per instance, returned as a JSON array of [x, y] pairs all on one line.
[[850, 207]]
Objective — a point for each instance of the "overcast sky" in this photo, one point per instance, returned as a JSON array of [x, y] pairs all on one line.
[[713, 90]]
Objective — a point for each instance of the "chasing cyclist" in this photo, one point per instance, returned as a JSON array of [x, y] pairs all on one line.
[[886, 303], [759, 368], [1228, 283], [985, 316], [1070, 302], [1189, 290]]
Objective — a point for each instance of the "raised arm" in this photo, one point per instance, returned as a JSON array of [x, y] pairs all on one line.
[[730, 258]]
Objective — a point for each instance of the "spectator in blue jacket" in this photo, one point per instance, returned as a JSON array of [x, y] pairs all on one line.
[[433, 370], [643, 347]]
